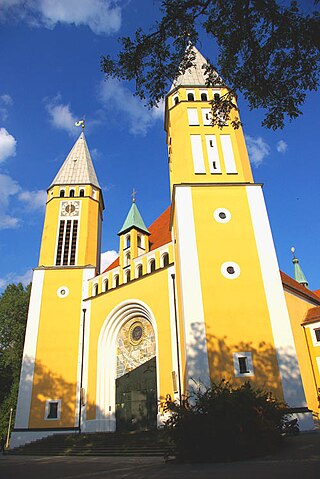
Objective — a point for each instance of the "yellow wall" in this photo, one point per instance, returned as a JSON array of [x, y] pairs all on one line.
[[56, 365], [236, 312], [298, 308], [145, 289]]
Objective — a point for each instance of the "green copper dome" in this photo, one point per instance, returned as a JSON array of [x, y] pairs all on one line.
[[133, 220]]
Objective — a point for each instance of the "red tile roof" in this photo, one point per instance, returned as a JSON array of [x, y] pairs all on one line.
[[312, 315], [296, 287], [317, 292], [159, 234]]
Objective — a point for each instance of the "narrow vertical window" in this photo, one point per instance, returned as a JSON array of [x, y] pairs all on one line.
[[190, 97], [139, 271], [71, 194], [105, 286], [74, 242], [243, 365], [116, 281], [61, 193], [95, 290], [204, 97], [81, 193], [60, 242], [67, 243], [197, 154], [152, 265], [165, 260], [139, 241], [128, 276]]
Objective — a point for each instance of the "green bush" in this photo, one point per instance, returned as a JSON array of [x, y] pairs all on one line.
[[225, 423]]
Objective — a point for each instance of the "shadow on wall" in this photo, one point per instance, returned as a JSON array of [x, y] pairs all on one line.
[[50, 386], [264, 359]]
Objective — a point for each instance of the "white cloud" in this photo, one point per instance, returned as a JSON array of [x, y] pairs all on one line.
[[101, 16], [282, 146], [118, 99], [61, 116], [8, 188], [107, 258], [33, 200], [7, 145], [24, 278], [6, 99], [258, 149]]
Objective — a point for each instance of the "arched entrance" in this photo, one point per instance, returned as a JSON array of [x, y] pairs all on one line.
[[126, 330], [136, 377]]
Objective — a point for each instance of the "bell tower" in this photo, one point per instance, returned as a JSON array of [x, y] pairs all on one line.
[[230, 296], [50, 382], [72, 227]]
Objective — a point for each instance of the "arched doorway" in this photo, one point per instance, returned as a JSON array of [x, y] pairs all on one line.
[[123, 319], [136, 377]]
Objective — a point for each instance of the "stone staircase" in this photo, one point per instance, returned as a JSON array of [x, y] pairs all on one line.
[[143, 444]]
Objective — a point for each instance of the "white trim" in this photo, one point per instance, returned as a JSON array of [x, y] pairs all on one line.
[[229, 161], [88, 274], [318, 363], [213, 155], [197, 154], [192, 306], [29, 352], [279, 317], [236, 364], [193, 118], [206, 116], [106, 368]]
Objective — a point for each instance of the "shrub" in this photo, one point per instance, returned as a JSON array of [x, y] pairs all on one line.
[[225, 423]]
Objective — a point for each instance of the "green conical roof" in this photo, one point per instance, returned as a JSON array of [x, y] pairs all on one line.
[[133, 220], [298, 273]]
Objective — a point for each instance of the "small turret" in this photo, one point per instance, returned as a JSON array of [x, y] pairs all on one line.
[[298, 273], [134, 240]]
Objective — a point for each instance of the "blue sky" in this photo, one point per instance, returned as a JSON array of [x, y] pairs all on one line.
[[50, 76]]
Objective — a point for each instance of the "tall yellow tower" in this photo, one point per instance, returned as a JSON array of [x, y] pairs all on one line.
[[233, 311], [51, 373]]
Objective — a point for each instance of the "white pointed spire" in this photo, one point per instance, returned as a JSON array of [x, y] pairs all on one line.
[[77, 168], [194, 76]]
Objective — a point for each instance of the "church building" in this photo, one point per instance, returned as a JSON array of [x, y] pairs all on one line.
[[195, 297]]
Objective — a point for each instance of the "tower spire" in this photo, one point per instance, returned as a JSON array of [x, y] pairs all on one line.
[[298, 273], [77, 167]]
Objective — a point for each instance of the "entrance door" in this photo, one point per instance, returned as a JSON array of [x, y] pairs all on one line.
[[136, 398]]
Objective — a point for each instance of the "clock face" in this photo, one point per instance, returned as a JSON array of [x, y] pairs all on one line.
[[70, 208]]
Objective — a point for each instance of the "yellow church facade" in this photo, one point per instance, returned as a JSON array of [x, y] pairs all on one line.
[[194, 298]]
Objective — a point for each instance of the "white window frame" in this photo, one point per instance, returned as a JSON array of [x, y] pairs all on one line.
[[236, 364], [206, 116], [313, 328], [206, 92], [228, 154], [193, 117], [47, 409], [213, 154], [174, 98], [197, 154]]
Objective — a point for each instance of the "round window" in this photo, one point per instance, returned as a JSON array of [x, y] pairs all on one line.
[[230, 270], [222, 215], [136, 333], [63, 292]]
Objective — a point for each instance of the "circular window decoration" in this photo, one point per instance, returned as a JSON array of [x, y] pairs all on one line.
[[222, 215], [136, 333], [63, 292], [230, 270]]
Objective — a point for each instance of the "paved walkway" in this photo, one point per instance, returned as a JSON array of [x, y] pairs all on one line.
[[299, 459]]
